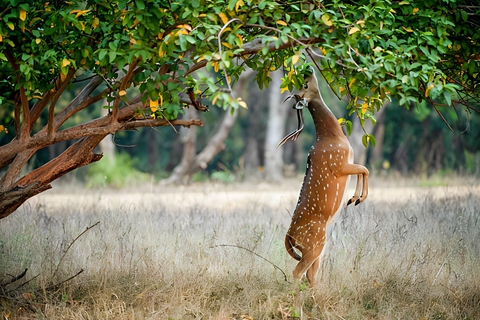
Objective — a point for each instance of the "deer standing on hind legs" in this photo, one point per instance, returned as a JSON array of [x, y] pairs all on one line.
[[329, 167]]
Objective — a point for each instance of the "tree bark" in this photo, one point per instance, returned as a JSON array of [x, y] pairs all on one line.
[[277, 113], [255, 134], [191, 162]]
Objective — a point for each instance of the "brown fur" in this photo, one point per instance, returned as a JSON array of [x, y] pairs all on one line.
[[329, 166]]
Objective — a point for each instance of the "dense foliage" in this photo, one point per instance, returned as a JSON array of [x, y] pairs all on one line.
[[370, 50]]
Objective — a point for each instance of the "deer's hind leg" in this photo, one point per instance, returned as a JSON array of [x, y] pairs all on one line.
[[309, 262]]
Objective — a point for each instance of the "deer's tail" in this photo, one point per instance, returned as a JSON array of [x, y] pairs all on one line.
[[290, 248]]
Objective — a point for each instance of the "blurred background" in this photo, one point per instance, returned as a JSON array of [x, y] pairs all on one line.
[[413, 141]]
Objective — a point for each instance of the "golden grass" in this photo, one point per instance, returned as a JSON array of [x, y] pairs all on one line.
[[406, 253]]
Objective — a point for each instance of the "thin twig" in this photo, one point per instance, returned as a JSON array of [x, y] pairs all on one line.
[[23, 284], [71, 244], [53, 286], [240, 247], [15, 278]]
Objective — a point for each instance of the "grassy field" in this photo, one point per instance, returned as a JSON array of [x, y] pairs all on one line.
[[200, 252]]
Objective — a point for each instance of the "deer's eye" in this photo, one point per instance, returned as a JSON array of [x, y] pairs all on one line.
[[305, 85]]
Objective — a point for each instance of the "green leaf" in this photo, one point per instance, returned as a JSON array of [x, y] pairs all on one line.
[[372, 140]]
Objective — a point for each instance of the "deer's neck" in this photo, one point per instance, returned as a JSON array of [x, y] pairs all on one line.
[[326, 124]]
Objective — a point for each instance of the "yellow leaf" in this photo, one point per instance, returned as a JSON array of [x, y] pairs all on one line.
[[238, 4], [122, 93], [154, 105], [415, 10], [63, 76], [351, 82], [408, 30], [341, 120], [295, 58], [161, 53], [83, 61], [223, 17], [2, 128], [215, 66], [203, 15], [241, 39], [229, 79], [161, 99], [226, 29], [326, 20], [364, 107], [280, 22], [361, 23], [242, 103], [393, 11], [353, 30], [65, 62], [1, 38], [428, 89], [341, 89], [215, 98], [185, 26], [11, 25], [81, 13], [282, 90], [23, 14], [290, 74], [38, 40], [160, 35], [95, 23], [377, 49], [228, 45]]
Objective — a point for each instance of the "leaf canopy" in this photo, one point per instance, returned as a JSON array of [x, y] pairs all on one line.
[[368, 50]]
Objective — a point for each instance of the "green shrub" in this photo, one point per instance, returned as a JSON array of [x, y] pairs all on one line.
[[116, 172]]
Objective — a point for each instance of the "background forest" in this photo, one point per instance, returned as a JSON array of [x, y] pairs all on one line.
[[409, 141]]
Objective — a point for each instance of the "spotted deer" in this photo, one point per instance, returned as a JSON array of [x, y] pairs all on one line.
[[329, 167]]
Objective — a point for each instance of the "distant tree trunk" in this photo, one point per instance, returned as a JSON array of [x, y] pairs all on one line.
[[152, 149], [106, 146], [188, 138], [191, 162], [251, 154], [277, 113]]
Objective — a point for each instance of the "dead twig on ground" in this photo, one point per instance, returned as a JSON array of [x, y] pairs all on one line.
[[71, 244]]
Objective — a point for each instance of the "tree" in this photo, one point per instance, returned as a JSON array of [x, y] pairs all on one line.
[[146, 58]]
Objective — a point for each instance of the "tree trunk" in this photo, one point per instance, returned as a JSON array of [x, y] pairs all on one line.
[[277, 113], [251, 154], [191, 162], [106, 146]]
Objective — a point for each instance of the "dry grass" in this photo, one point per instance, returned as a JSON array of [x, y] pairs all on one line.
[[406, 253]]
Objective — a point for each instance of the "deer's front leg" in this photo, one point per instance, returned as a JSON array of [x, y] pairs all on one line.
[[361, 191]]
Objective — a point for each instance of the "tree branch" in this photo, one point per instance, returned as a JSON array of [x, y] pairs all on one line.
[[123, 86], [59, 88]]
